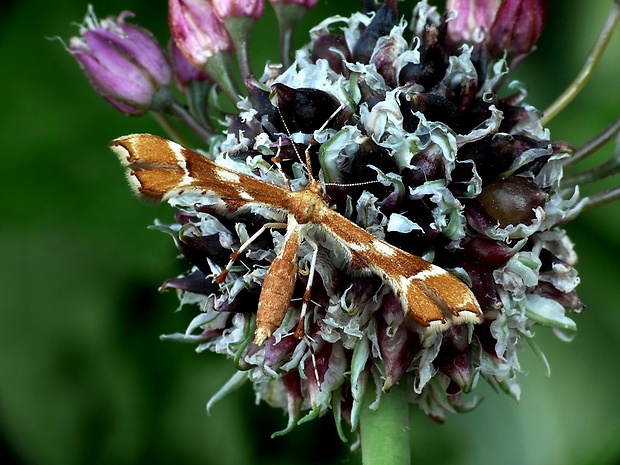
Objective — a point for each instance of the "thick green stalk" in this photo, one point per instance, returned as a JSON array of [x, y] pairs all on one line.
[[385, 432]]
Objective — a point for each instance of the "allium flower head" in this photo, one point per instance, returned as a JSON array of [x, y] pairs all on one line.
[[414, 141]]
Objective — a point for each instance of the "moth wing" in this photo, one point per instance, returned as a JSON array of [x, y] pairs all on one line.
[[158, 169], [431, 297]]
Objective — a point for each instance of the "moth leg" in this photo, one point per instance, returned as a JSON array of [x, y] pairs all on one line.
[[308, 340], [277, 160], [300, 330], [236, 254]]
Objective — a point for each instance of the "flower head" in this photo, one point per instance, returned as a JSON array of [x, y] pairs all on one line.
[[122, 61], [412, 143]]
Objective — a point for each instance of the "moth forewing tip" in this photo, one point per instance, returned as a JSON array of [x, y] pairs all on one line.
[[454, 296], [434, 300], [463, 317], [127, 153], [119, 147]]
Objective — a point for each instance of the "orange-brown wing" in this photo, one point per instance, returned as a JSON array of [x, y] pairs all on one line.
[[158, 169], [431, 297]]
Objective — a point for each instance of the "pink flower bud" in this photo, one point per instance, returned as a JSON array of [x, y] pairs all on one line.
[[123, 62], [197, 30], [184, 71], [305, 3], [397, 342], [473, 19], [518, 25], [236, 8]]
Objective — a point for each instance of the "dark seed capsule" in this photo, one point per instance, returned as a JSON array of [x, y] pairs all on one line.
[[305, 109], [512, 200], [434, 107], [381, 25], [334, 49], [433, 60]]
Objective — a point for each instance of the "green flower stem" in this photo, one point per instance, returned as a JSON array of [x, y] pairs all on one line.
[[172, 132], [164, 104], [385, 432], [198, 93], [218, 67], [288, 16], [607, 169], [594, 144], [588, 68], [183, 115], [602, 198], [239, 30]]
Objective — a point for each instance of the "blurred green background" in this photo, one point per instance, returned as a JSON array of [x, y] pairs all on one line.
[[83, 375]]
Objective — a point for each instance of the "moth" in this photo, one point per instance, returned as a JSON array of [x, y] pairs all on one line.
[[432, 298]]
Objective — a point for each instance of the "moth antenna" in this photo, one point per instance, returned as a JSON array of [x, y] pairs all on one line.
[[353, 184], [323, 126], [307, 151], [288, 132]]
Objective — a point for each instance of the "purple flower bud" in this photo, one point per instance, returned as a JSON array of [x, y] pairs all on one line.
[[277, 350], [184, 72], [433, 60], [473, 19], [566, 299], [304, 109], [305, 3], [294, 397], [383, 58], [398, 344], [488, 252], [518, 25], [483, 286], [196, 282], [197, 30], [236, 8], [123, 62], [455, 359]]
